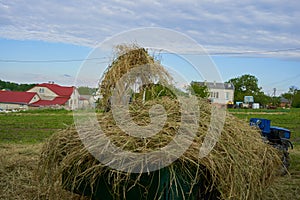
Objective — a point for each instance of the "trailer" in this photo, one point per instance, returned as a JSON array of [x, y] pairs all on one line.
[[276, 136]]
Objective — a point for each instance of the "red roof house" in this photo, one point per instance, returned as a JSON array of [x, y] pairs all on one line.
[[41, 95], [52, 94], [18, 97], [16, 100]]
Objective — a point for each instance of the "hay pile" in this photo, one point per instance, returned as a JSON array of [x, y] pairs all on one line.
[[128, 58], [240, 166]]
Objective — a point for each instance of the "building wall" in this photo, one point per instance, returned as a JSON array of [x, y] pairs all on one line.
[[84, 103], [221, 96], [35, 99], [88, 102], [73, 102], [43, 92], [12, 106]]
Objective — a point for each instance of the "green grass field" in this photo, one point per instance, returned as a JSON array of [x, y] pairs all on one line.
[[33, 126], [287, 118], [37, 125], [22, 136]]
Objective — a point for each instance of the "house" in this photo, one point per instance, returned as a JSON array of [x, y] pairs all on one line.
[[41, 95], [10, 100], [284, 103], [87, 101], [53, 95], [220, 93]]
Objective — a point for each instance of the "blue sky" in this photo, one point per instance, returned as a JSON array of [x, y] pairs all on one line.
[[45, 41]]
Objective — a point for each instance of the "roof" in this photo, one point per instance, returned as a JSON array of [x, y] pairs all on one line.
[[59, 90], [215, 85], [284, 100], [16, 97], [56, 101]]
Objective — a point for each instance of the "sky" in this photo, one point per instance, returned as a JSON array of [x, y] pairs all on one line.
[[43, 41]]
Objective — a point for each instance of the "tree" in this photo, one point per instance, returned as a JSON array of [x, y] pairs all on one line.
[[296, 99], [6, 85], [290, 95], [198, 90], [263, 99], [247, 85], [84, 90]]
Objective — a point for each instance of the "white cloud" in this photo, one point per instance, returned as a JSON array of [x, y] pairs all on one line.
[[219, 25]]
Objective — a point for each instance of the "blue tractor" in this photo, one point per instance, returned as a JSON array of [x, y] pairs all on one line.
[[278, 137]]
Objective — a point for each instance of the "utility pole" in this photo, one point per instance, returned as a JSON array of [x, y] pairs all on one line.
[[274, 96]]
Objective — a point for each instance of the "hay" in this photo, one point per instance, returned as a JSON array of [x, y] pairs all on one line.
[[241, 165], [18, 178], [128, 58]]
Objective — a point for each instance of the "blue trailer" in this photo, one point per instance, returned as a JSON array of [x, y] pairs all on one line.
[[276, 136]]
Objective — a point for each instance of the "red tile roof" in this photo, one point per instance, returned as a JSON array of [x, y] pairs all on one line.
[[56, 101], [59, 90], [16, 97]]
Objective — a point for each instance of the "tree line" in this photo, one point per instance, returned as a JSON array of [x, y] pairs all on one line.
[[6, 85]]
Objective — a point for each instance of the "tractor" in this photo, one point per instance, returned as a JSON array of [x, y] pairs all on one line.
[[278, 137]]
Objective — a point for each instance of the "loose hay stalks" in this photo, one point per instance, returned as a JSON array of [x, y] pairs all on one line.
[[128, 58], [240, 166]]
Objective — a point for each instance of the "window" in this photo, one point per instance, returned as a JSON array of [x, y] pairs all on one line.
[[227, 95], [41, 90], [217, 95], [214, 95]]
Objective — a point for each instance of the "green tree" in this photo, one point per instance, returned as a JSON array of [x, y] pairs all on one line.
[[290, 95], [296, 99], [15, 86], [247, 85], [84, 90], [262, 99], [198, 90]]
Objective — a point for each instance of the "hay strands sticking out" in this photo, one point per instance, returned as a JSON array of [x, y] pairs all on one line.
[[240, 166]]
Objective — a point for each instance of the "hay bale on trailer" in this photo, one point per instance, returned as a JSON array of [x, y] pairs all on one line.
[[240, 166]]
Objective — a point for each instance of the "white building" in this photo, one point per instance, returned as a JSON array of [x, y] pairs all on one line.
[[221, 93]]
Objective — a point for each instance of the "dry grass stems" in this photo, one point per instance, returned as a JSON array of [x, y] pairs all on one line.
[[240, 166]]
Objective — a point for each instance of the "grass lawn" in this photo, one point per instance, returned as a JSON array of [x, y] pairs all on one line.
[[22, 136], [33, 126]]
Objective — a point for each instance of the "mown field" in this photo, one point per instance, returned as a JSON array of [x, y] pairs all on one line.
[[287, 187], [32, 126], [22, 136]]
